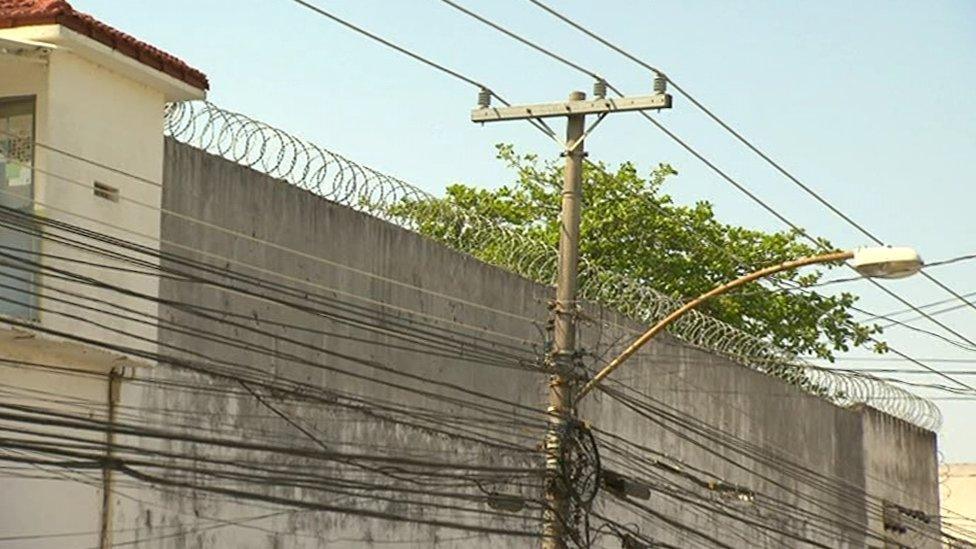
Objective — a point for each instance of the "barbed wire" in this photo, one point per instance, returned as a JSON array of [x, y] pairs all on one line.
[[276, 153]]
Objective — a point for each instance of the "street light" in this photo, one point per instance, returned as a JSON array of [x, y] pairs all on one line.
[[876, 262], [885, 262]]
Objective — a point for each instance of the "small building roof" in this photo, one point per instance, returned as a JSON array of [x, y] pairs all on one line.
[[23, 13]]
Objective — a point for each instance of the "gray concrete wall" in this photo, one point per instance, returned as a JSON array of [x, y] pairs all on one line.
[[807, 461], [896, 450]]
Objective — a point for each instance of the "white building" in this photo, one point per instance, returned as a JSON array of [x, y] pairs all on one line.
[[86, 94]]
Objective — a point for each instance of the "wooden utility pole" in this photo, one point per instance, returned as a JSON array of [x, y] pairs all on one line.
[[562, 378]]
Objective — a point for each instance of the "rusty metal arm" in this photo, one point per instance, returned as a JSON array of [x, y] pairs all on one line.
[[668, 320]]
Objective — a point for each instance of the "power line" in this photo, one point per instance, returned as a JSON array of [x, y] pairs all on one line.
[[212, 371], [819, 243], [114, 490], [122, 466], [891, 359], [46, 417], [193, 437], [950, 261], [69, 180], [523, 40], [240, 343], [636, 465], [176, 417], [417, 57], [690, 429], [892, 349], [908, 371], [904, 324], [565, 61], [409, 53], [238, 234], [779, 458], [771, 162], [938, 312], [457, 431]]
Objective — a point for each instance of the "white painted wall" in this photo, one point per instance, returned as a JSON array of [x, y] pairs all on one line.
[[101, 116], [52, 501], [108, 109]]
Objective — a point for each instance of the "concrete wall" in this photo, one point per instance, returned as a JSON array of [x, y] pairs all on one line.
[[896, 450], [802, 456]]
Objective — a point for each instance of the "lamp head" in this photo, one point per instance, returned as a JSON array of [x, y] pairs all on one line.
[[886, 262]]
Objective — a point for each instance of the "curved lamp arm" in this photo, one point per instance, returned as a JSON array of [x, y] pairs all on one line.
[[668, 320]]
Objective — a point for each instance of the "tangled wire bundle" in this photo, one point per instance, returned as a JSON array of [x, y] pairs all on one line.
[[254, 144]]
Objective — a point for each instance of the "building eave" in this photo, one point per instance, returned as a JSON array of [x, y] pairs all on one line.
[[65, 39]]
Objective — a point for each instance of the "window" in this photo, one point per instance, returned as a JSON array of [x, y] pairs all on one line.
[[16, 152], [18, 245]]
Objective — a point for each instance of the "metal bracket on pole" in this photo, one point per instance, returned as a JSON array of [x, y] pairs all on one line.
[[572, 147]]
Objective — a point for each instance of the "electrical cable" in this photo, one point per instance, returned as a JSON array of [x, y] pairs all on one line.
[[818, 243], [250, 238], [210, 370], [413, 55], [770, 161], [201, 333], [238, 325], [246, 495], [657, 415]]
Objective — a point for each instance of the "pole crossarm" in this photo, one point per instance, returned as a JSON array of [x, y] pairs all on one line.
[[599, 105], [719, 290]]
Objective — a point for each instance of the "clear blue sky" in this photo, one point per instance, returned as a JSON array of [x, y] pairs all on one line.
[[871, 102]]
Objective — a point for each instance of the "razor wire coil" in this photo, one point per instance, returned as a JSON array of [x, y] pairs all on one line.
[[276, 153]]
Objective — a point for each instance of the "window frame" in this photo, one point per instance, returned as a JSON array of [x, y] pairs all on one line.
[[31, 297]]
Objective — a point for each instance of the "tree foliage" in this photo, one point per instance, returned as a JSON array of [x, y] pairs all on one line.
[[632, 227]]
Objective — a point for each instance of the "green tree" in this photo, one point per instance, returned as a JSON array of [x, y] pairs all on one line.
[[631, 227]]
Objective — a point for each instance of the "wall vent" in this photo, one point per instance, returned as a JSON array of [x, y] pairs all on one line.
[[107, 192]]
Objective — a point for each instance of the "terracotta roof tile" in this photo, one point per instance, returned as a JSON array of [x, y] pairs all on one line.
[[22, 13]]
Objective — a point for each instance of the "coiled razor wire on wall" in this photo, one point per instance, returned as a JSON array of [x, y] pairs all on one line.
[[256, 145]]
